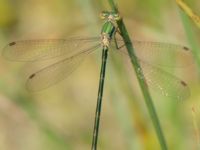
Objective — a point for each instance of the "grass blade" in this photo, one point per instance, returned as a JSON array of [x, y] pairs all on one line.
[[140, 77], [189, 12]]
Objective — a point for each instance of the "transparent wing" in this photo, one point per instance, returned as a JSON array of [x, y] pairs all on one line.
[[55, 72], [32, 50], [164, 54], [165, 83]]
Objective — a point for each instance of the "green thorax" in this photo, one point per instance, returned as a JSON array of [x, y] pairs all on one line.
[[108, 29]]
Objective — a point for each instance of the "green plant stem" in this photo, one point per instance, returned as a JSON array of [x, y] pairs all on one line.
[[140, 77]]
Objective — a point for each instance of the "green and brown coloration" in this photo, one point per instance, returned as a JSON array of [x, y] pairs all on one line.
[[107, 33]]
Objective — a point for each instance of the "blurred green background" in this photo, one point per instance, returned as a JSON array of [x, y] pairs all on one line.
[[62, 116]]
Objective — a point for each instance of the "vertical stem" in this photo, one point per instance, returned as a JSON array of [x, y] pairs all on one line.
[[141, 79], [144, 87], [99, 99]]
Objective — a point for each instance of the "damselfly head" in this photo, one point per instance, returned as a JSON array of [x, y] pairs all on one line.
[[109, 15]]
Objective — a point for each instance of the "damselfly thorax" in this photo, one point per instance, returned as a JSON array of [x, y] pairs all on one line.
[[109, 28]]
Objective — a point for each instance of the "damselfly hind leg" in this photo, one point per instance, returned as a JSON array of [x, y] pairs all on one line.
[[119, 40]]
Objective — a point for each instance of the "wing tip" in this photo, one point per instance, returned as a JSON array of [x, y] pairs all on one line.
[[183, 83], [186, 48], [12, 43], [32, 76], [6, 51]]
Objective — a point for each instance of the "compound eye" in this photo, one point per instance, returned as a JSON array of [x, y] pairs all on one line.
[[104, 15], [116, 16]]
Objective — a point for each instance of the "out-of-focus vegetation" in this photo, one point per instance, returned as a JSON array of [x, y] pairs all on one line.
[[186, 14], [195, 18], [61, 117]]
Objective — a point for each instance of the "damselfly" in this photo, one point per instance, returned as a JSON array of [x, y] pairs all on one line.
[[70, 52]]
